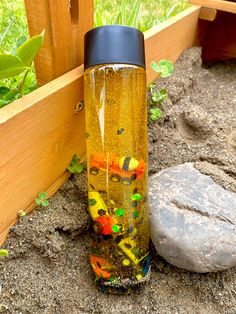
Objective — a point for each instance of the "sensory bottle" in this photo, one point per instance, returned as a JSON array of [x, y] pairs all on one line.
[[116, 138]]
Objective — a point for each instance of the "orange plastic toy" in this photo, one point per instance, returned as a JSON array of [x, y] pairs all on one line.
[[124, 169], [106, 223], [100, 265]]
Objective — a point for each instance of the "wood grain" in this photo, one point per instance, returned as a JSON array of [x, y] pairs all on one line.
[[50, 191], [40, 132], [207, 14], [65, 23], [39, 135], [82, 20], [227, 6]]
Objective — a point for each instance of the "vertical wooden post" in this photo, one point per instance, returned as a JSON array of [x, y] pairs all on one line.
[[82, 14], [65, 23]]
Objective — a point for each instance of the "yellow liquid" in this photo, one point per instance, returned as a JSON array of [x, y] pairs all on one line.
[[116, 126]]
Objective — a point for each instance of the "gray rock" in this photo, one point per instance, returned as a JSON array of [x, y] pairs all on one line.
[[192, 219]]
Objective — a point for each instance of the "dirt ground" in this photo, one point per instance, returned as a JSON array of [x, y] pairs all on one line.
[[48, 271]]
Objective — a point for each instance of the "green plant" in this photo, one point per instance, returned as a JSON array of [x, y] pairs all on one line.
[[155, 114], [4, 252], [13, 23], [18, 64], [150, 13], [42, 199], [159, 11], [75, 166], [164, 68], [125, 16]]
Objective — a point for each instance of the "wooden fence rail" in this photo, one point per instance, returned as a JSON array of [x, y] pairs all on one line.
[[223, 5]]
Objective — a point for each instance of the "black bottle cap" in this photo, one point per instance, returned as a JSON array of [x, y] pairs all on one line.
[[114, 44]]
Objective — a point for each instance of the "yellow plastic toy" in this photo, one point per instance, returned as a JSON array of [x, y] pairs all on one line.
[[96, 204], [127, 245]]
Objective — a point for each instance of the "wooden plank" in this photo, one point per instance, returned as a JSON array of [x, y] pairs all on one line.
[[169, 39], [227, 6], [65, 23], [40, 132], [50, 191], [4, 234], [82, 13], [207, 14], [39, 135]]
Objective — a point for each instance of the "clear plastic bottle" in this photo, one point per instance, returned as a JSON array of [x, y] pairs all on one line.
[[116, 129]]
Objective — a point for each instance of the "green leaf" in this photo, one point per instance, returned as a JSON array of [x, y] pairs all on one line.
[[75, 160], [134, 16], [156, 113], [160, 96], [29, 49], [10, 66], [3, 91], [38, 201], [42, 195], [163, 92], [45, 203], [11, 95], [30, 83], [71, 169], [155, 67], [19, 42], [167, 68], [75, 166], [29, 88], [4, 252], [79, 168], [3, 103]]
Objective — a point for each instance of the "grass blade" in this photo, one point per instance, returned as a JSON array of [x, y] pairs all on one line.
[[133, 19], [123, 12], [98, 20], [118, 19], [171, 9]]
